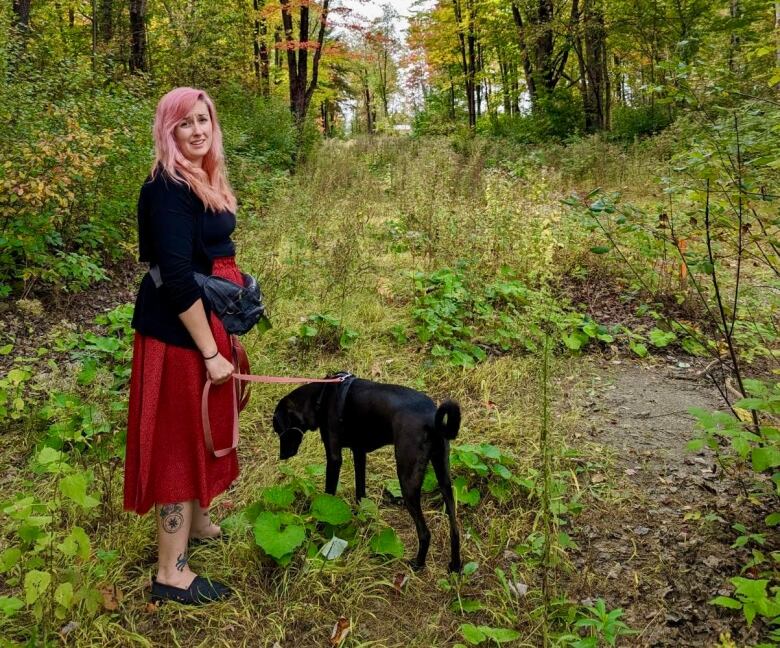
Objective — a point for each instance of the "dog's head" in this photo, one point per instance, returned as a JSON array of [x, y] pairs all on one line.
[[295, 414]]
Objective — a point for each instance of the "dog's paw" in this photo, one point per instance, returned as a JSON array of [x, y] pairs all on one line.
[[454, 567], [416, 566]]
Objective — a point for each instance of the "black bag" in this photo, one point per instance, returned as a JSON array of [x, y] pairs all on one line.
[[238, 307]]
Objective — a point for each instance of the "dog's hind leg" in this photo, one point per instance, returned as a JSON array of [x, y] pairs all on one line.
[[410, 475], [359, 458], [441, 466]]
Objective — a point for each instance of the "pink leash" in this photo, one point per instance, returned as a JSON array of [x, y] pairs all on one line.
[[204, 403]]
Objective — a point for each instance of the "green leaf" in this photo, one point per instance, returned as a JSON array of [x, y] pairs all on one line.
[[765, 457], [10, 605], [74, 487], [64, 594], [500, 635], [725, 601], [461, 606], [470, 568], [469, 496], [773, 519], [638, 348], [331, 509], [472, 634], [279, 497], [76, 544], [35, 583], [276, 541], [600, 249], [9, 558], [660, 338], [387, 543]]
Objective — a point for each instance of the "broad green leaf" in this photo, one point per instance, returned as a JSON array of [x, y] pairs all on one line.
[[600, 249], [9, 558], [276, 541], [64, 594], [773, 519], [35, 583], [10, 605], [660, 338], [331, 509], [469, 496], [765, 457], [472, 634], [470, 568], [387, 543], [76, 544], [500, 635], [638, 348], [279, 497], [463, 605], [728, 602], [74, 487]]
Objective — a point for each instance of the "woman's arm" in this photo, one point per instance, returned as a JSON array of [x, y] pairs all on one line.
[[219, 368], [173, 228]]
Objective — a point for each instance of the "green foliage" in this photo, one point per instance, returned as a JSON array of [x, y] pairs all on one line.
[[629, 122], [325, 332], [603, 626]]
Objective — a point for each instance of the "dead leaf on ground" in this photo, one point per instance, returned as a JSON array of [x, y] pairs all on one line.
[[340, 631], [490, 404], [399, 582], [597, 478], [112, 596], [69, 627], [376, 370], [151, 608]]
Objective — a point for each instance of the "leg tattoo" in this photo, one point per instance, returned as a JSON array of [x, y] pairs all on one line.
[[172, 519], [181, 561]]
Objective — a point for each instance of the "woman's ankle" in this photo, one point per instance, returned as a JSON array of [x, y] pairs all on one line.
[[175, 577]]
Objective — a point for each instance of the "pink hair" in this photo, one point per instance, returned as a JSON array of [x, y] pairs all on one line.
[[210, 182]]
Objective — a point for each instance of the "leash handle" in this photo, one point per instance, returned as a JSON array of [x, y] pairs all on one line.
[[204, 403]]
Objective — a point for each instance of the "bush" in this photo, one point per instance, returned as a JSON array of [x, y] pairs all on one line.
[[630, 122]]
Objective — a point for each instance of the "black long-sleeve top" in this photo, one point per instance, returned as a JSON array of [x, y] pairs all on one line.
[[178, 234]]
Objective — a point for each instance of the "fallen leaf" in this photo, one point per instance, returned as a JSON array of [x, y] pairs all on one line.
[[69, 627], [376, 370], [276, 645], [597, 478], [518, 589], [490, 405], [151, 608], [630, 472], [400, 581], [228, 505], [112, 596], [340, 631]]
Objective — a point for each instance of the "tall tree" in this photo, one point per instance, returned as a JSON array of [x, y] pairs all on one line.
[[467, 42], [592, 59], [260, 47], [138, 53], [301, 86], [543, 55]]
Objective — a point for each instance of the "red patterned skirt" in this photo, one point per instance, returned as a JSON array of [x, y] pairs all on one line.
[[166, 459]]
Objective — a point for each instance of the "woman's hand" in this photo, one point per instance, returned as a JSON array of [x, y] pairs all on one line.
[[219, 369]]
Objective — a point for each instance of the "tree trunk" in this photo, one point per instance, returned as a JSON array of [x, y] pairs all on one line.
[[138, 56], [592, 61], [777, 34], [22, 14], [106, 20], [301, 88], [260, 47], [467, 44]]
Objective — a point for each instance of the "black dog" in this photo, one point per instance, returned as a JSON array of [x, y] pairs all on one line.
[[363, 415]]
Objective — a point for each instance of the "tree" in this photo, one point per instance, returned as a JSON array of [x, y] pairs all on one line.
[[138, 54], [301, 87]]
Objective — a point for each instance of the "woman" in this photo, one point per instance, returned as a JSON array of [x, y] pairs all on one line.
[[186, 214]]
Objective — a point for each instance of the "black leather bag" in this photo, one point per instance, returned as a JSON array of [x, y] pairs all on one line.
[[239, 308]]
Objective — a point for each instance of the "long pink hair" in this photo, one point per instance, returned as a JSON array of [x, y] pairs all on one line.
[[210, 182]]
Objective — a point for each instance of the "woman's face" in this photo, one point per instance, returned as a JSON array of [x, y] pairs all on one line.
[[193, 133]]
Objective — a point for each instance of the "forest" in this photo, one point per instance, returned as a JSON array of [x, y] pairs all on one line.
[[562, 214]]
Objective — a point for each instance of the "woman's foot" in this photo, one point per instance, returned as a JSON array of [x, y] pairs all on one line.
[[199, 591], [208, 531]]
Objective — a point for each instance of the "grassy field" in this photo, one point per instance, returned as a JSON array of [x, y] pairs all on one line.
[[385, 258]]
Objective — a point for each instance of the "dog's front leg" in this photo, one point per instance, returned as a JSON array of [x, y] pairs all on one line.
[[332, 470], [359, 458]]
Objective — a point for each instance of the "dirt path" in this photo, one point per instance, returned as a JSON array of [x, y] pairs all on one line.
[[658, 542]]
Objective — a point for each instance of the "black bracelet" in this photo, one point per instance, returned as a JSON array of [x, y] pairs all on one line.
[[216, 353]]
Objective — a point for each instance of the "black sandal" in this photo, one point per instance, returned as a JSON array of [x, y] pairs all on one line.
[[196, 542], [200, 592]]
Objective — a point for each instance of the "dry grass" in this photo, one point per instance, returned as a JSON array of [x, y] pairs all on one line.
[[323, 246]]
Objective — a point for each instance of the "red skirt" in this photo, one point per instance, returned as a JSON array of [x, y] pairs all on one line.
[[166, 459]]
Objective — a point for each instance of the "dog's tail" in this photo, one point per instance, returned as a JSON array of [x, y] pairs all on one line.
[[447, 420]]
